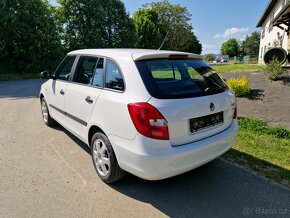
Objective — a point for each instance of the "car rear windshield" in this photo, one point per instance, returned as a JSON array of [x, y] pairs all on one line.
[[179, 78]]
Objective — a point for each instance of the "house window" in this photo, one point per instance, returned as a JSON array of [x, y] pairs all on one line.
[[270, 28], [284, 2], [263, 33], [261, 55]]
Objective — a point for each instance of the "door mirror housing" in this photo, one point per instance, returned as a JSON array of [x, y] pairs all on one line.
[[47, 74]]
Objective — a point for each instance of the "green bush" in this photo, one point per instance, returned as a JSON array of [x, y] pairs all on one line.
[[240, 86], [261, 127], [209, 58], [274, 70]]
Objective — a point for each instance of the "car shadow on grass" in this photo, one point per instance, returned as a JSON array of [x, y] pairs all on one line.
[[259, 167]]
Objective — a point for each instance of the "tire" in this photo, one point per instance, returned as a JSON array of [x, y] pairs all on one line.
[[104, 159], [45, 114]]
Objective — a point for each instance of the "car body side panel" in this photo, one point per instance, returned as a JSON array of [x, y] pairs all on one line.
[[112, 116], [111, 111], [55, 100], [78, 110]]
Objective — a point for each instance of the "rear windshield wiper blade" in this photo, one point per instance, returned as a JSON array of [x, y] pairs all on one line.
[[209, 90]]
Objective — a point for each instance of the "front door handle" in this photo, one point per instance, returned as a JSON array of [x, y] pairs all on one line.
[[89, 99], [61, 92]]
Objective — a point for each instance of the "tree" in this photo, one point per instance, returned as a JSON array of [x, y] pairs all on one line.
[[174, 21], [230, 47], [242, 48], [209, 58], [96, 24], [251, 44], [196, 46], [147, 26], [29, 36]]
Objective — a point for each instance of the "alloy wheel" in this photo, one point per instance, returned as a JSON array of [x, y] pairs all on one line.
[[44, 110], [101, 157]]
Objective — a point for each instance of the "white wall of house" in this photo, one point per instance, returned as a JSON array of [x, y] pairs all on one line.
[[272, 36]]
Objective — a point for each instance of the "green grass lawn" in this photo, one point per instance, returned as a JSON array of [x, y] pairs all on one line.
[[263, 150], [234, 68]]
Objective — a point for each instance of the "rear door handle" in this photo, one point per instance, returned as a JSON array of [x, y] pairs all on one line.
[[61, 92], [89, 99]]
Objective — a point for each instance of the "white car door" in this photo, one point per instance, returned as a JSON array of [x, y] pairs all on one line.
[[57, 90], [82, 93]]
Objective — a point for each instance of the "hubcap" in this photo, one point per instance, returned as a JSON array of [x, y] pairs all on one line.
[[44, 110], [101, 157]]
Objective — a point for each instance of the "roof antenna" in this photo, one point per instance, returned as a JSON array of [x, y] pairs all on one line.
[[163, 41]]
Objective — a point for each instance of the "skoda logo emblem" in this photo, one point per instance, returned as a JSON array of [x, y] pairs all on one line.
[[211, 107]]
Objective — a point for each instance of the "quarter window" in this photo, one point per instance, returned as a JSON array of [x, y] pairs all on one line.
[[63, 72], [114, 79]]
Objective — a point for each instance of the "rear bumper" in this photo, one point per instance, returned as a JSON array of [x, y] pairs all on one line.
[[155, 159]]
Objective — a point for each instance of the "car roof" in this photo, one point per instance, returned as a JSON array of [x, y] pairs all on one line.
[[135, 54]]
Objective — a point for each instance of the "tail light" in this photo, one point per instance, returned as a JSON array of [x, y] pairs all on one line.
[[235, 114], [148, 121]]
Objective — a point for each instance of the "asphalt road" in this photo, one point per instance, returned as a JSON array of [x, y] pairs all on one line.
[[47, 172]]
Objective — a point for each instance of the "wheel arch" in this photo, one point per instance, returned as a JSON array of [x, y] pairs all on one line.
[[93, 129], [41, 96]]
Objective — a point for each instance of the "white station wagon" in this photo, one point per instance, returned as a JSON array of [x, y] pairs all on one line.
[[155, 114]]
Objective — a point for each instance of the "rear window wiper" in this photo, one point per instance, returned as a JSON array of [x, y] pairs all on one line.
[[210, 90]]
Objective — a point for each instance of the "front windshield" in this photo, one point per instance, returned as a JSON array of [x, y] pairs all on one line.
[[179, 78]]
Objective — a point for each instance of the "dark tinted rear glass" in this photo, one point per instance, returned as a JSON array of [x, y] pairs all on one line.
[[179, 78]]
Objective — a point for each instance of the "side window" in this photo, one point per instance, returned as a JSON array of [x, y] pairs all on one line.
[[85, 70], [98, 74], [64, 70], [114, 79]]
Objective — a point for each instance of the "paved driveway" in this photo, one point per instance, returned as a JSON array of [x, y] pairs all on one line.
[[47, 172], [269, 100]]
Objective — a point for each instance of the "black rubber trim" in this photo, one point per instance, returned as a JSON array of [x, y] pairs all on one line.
[[69, 115]]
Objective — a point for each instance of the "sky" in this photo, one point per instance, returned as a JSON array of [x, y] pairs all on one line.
[[215, 21]]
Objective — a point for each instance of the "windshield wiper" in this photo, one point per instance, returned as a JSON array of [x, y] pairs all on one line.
[[210, 90]]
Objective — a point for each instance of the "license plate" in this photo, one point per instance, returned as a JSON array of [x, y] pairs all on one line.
[[205, 122]]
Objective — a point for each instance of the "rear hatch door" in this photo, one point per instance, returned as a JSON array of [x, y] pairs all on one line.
[[194, 119]]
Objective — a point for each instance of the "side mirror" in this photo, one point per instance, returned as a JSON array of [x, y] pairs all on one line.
[[47, 74]]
